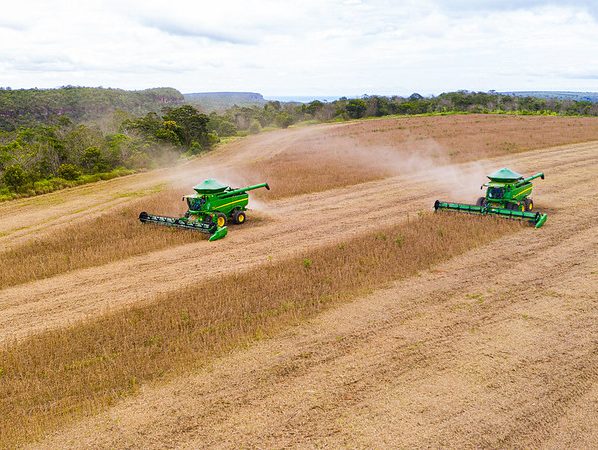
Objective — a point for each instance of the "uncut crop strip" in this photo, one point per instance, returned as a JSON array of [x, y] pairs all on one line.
[[305, 166], [114, 235], [50, 379]]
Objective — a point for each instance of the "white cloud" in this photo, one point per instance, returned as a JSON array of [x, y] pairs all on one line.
[[321, 47]]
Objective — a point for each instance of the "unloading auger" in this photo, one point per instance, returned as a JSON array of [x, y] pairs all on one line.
[[507, 195], [210, 208]]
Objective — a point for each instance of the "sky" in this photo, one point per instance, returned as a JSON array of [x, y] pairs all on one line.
[[302, 47]]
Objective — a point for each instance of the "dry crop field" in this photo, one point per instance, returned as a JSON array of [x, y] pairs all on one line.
[[344, 313]]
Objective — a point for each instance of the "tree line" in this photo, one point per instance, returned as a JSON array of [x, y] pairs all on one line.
[[48, 148], [22, 107], [50, 155], [275, 114]]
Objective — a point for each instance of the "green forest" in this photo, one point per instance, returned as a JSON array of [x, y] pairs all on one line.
[[56, 138]]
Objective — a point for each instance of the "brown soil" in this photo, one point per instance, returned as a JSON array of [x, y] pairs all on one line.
[[363, 151], [291, 226], [93, 364], [495, 348], [108, 237], [311, 159], [298, 161], [474, 353]]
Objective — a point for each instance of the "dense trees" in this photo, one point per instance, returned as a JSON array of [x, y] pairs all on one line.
[[183, 126], [14, 177], [284, 119], [47, 140], [356, 108], [285, 114], [43, 156], [222, 126], [189, 125], [26, 106]]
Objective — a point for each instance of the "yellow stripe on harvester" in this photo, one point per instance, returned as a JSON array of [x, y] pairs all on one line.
[[526, 189]]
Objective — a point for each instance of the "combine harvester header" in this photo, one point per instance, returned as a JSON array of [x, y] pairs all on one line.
[[507, 195], [210, 208]]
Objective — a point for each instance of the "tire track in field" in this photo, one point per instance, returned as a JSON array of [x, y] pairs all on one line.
[[295, 225], [494, 348]]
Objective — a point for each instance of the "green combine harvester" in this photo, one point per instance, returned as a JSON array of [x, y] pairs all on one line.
[[210, 208], [507, 195]]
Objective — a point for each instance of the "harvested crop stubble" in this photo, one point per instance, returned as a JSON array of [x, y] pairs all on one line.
[[315, 160], [51, 378], [114, 235], [373, 149]]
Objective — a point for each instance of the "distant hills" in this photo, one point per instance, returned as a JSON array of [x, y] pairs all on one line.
[[219, 101], [560, 95], [303, 98], [20, 106], [25, 106]]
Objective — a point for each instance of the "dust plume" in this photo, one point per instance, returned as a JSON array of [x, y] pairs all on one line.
[[344, 161], [324, 162], [428, 160]]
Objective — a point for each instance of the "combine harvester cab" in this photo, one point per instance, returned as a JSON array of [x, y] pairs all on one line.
[[209, 210], [507, 195]]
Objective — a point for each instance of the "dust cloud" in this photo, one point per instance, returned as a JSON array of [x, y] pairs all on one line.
[[424, 159]]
